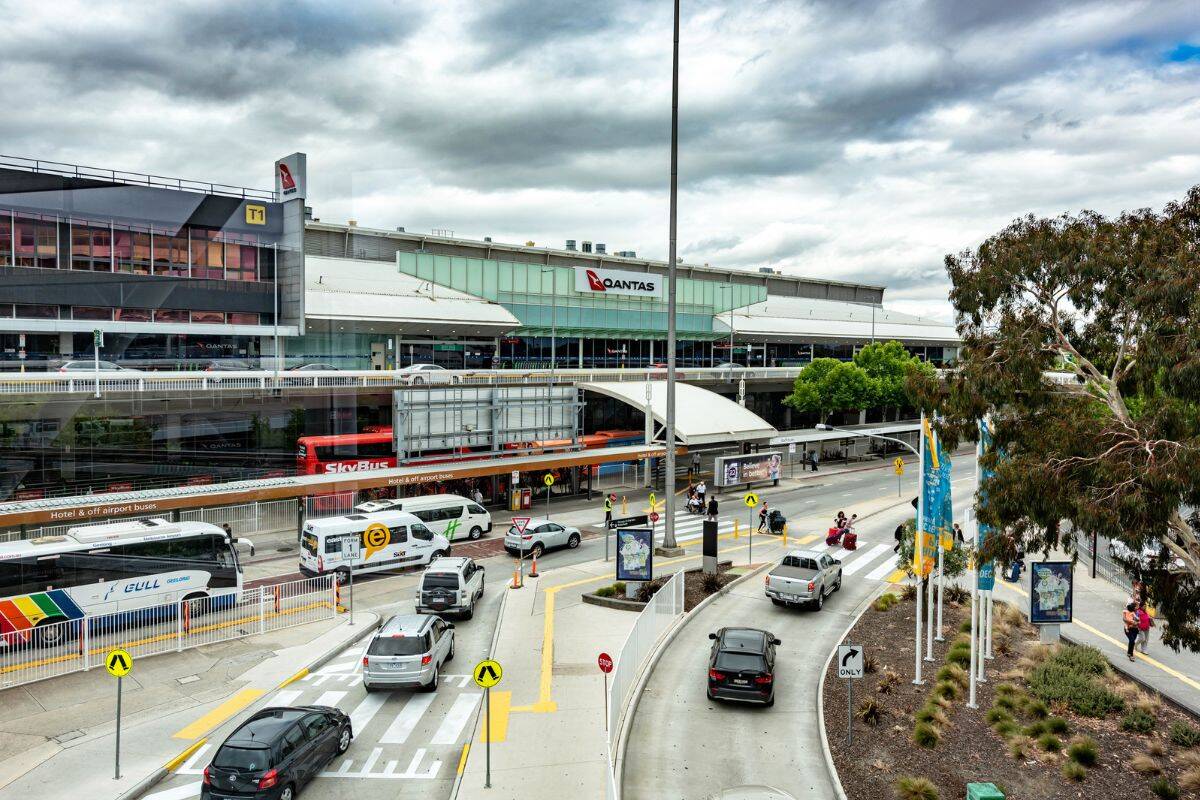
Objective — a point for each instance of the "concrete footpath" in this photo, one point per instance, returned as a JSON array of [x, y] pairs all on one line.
[[57, 737], [1097, 613]]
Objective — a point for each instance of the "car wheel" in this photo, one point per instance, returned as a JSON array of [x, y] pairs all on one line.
[[417, 381], [573, 541], [433, 684], [819, 603], [710, 694], [776, 601], [770, 700], [838, 588], [288, 793], [49, 633], [475, 533], [450, 655], [537, 550], [437, 555], [368, 687], [344, 740], [470, 612]]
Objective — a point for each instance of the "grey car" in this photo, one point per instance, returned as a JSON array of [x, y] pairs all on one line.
[[407, 652]]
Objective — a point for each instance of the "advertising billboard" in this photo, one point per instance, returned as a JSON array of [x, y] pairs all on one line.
[[635, 554], [733, 470], [592, 280], [1051, 592]]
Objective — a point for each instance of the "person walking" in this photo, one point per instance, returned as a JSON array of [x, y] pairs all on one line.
[[899, 534], [695, 470], [958, 534], [815, 457], [608, 506], [477, 496], [1130, 620], [1145, 623], [712, 509], [762, 517], [701, 490]]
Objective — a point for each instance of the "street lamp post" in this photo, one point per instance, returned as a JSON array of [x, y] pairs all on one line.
[[669, 543]]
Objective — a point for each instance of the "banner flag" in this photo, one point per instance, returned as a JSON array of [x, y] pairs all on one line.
[[987, 569]]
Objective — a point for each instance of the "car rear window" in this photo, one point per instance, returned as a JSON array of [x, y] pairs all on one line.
[[739, 662], [243, 759], [800, 563], [440, 581], [748, 640], [399, 646]]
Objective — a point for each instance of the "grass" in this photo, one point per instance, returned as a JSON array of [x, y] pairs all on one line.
[[605, 591], [871, 712], [1035, 729], [885, 601], [955, 674], [931, 714], [1183, 735], [960, 655], [1006, 729], [910, 787], [1035, 708], [1084, 751], [888, 682], [1006, 702], [1003, 689], [1019, 747], [1049, 742], [1074, 771], [1057, 725], [870, 664], [1189, 759], [1144, 764], [995, 715], [1164, 789], [946, 689], [1138, 720], [1157, 749], [965, 627], [1190, 779], [926, 735]]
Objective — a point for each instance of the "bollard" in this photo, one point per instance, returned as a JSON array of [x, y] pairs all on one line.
[[277, 599], [735, 529], [187, 616], [785, 534], [337, 597], [624, 506]]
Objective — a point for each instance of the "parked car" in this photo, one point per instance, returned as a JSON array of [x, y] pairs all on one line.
[[227, 365], [1149, 558], [314, 367], [275, 752], [804, 576], [741, 665], [541, 535], [408, 651], [92, 366], [450, 586], [426, 373]]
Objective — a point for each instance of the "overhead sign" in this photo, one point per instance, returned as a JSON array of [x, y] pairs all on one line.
[[118, 663], [592, 280], [487, 673], [850, 661], [605, 662], [751, 499], [291, 177], [629, 522], [732, 470], [519, 523]]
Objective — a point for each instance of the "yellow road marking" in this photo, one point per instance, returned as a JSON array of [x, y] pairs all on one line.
[[294, 678], [219, 714], [462, 760], [1174, 673], [897, 576], [174, 763], [496, 727]]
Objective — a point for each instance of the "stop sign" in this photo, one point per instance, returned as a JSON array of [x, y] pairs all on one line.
[[606, 663], [654, 516]]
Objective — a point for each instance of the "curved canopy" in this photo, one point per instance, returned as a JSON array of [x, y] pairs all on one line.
[[701, 416]]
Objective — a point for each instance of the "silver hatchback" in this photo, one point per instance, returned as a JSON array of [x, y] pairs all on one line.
[[408, 651]]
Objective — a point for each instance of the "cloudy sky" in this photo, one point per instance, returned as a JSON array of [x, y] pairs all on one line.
[[850, 139]]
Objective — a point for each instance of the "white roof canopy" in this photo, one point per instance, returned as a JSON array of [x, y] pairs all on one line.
[[701, 416], [828, 320]]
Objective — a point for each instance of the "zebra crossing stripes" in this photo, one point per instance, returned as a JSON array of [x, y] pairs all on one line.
[[866, 558], [365, 711], [406, 721], [456, 719], [882, 571]]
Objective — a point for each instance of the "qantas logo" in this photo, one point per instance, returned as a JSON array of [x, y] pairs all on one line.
[[594, 282], [598, 284], [286, 180]]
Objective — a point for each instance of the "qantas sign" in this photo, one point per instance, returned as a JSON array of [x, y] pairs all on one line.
[[611, 281]]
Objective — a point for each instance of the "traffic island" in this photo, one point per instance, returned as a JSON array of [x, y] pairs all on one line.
[[1053, 721]]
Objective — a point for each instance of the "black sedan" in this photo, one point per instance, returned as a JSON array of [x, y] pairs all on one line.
[[741, 665], [275, 752]]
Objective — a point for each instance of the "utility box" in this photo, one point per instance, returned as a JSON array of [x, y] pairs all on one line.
[[983, 791]]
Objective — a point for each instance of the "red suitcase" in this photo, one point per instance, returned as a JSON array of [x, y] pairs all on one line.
[[850, 541], [834, 535]]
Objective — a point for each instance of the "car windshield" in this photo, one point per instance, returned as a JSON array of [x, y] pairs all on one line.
[[442, 581], [740, 662], [243, 759], [399, 646]]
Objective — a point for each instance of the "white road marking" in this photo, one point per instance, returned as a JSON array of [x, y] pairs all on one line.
[[882, 571], [178, 793], [398, 732], [285, 697], [864, 559], [456, 719], [189, 767], [344, 667], [329, 699], [365, 711]]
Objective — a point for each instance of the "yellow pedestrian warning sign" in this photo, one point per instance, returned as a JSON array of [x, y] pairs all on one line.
[[548, 479], [487, 673], [118, 663], [898, 464], [751, 499]]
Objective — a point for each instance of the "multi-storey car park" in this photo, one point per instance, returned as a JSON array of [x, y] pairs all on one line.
[[207, 298]]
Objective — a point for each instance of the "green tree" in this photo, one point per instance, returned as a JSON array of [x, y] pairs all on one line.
[[887, 366], [827, 385], [954, 560], [1113, 450]]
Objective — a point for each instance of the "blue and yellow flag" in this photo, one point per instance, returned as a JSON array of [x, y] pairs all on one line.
[[986, 580], [935, 523]]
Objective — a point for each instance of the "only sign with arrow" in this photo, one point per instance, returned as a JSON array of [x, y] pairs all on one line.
[[850, 661]]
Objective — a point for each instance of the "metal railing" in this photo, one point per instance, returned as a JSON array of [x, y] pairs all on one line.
[[83, 382], [61, 648], [135, 178], [658, 617], [1106, 568]]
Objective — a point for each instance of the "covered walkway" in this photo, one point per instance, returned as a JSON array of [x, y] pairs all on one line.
[[702, 417]]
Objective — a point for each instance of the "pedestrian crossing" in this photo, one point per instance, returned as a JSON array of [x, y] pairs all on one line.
[[879, 558]]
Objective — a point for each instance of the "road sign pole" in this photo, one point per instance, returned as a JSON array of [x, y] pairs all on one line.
[[606, 702], [849, 711], [487, 748], [117, 753], [750, 544]]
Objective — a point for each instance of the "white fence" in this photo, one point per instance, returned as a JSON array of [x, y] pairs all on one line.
[[659, 615], [60, 648]]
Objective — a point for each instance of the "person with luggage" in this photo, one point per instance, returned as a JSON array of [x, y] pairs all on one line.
[[762, 517]]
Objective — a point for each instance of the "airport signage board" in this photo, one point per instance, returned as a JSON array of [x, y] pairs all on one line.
[[735, 470], [592, 280]]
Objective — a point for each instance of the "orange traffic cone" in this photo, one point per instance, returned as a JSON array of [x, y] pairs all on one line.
[[516, 583], [533, 569]]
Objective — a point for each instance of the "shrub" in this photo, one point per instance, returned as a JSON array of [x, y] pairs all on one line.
[[1190, 779], [959, 655], [605, 591], [1049, 742], [926, 735], [647, 590], [1006, 702], [909, 592], [710, 582], [955, 674], [1035, 729], [1069, 676], [888, 682], [910, 787], [1164, 789], [995, 715], [1084, 751], [1074, 771], [619, 588], [946, 689], [871, 712], [870, 664], [1036, 708], [885, 601], [941, 702], [957, 594], [1138, 721], [1056, 725], [1006, 729], [1144, 764], [931, 714], [1020, 747], [1183, 735], [1084, 660], [965, 627]]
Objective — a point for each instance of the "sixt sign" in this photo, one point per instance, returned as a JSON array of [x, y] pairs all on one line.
[[611, 281]]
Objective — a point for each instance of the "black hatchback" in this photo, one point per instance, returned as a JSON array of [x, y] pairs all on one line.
[[275, 752], [741, 665]]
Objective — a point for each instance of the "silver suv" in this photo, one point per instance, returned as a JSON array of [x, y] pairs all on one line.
[[450, 586], [408, 651]]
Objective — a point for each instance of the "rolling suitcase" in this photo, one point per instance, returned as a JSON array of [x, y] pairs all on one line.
[[850, 541], [834, 535]]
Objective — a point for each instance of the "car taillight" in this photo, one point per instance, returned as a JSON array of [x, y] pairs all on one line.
[[269, 779], [207, 780], [527, 536], [366, 660], [761, 679], [425, 660], [716, 676], [811, 586]]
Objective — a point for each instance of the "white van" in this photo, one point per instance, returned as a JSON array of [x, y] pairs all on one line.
[[449, 515], [386, 540]]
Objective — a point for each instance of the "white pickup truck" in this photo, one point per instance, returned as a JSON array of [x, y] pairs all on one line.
[[804, 576]]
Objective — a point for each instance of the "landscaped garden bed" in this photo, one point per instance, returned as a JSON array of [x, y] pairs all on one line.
[[1052, 721]]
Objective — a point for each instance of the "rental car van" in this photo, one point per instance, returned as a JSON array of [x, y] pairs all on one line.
[[386, 540], [449, 515]]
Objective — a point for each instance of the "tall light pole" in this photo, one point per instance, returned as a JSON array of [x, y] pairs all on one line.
[[669, 488], [553, 349]]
